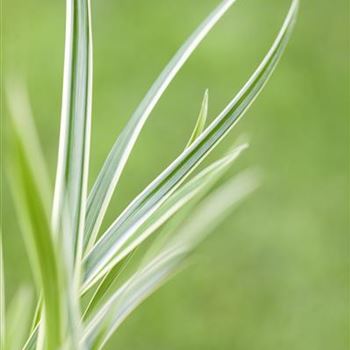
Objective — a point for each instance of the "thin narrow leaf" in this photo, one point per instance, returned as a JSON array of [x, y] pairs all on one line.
[[73, 159], [105, 285], [195, 188], [33, 215], [19, 318], [37, 313], [32, 340], [100, 258], [19, 105], [70, 196], [108, 178], [2, 297], [202, 118], [164, 264], [20, 108]]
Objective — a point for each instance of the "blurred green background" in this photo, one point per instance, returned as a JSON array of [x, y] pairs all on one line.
[[275, 275]]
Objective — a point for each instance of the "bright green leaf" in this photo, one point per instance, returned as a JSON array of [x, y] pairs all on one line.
[[108, 177], [152, 275], [202, 118], [100, 258]]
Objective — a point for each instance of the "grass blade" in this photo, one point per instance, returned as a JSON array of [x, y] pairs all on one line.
[[30, 201], [18, 102], [105, 285], [195, 188], [130, 237], [99, 259], [164, 264], [20, 108], [32, 340], [108, 178], [70, 196], [202, 118], [72, 169]]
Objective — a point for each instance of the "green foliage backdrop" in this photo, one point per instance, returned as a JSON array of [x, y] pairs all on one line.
[[275, 275]]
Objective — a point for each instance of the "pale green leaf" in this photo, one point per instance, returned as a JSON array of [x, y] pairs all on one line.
[[105, 285], [108, 178], [100, 258], [202, 118], [18, 102], [195, 188], [34, 219], [132, 237], [164, 264]]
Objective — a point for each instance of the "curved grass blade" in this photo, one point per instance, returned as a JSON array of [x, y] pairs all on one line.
[[100, 258], [129, 237], [110, 173], [20, 108], [37, 313], [105, 285], [30, 204], [202, 118], [99, 328], [195, 188], [18, 102], [32, 340], [212, 211], [68, 213]]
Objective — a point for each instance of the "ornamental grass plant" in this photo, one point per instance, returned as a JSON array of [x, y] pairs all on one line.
[[89, 280]]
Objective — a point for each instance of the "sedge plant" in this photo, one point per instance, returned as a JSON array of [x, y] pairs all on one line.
[[81, 300]]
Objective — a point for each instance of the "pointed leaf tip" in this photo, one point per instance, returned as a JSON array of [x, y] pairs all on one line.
[[201, 120]]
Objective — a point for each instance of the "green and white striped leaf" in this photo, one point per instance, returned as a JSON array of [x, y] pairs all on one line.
[[31, 343], [202, 118], [152, 275], [70, 197], [105, 285], [195, 188], [201, 183], [69, 206], [132, 237], [108, 177], [100, 258]]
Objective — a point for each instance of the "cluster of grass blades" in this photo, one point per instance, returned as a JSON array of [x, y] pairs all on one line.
[[81, 300]]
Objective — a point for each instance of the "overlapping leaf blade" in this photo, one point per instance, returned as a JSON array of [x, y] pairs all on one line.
[[202, 118], [131, 237], [105, 285], [100, 258], [194, 189], [108, 178], [166, 262], [60, 288]]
